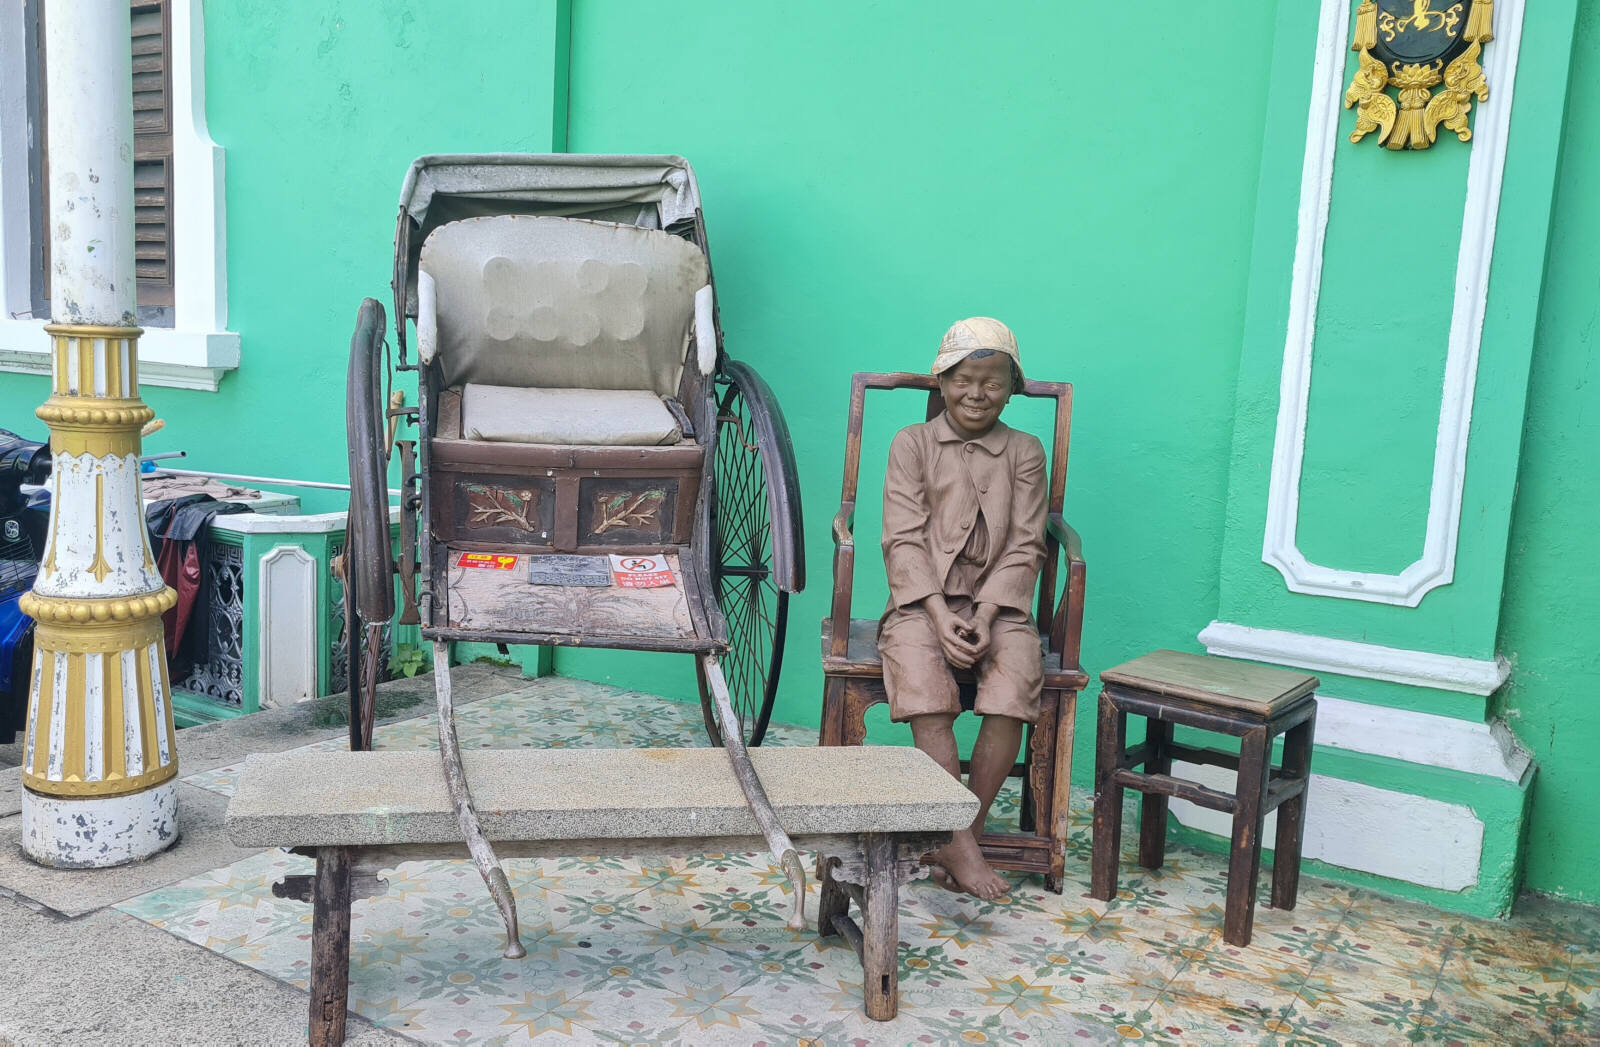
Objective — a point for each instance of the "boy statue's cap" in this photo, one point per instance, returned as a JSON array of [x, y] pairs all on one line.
[[966, 337]]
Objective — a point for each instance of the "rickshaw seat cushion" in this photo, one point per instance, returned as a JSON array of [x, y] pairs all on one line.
[[596, 417], [561, 303]]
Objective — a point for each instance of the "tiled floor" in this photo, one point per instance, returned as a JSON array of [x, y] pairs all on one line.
[[692, 948]]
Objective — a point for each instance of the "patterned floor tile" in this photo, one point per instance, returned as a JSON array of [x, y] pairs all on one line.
[[219, 779], [1385, 1018], [649, 1000], [937, 1025], [693, 948]]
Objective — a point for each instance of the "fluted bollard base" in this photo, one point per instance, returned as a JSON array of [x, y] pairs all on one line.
[[100, 757]]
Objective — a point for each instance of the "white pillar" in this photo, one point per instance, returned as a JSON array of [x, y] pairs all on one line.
[[89, 69], [100, 757]]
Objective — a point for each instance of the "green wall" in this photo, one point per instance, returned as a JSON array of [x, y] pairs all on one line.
[[1551, 620], [870, 177]]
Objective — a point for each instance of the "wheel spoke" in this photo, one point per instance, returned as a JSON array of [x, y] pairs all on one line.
[[744, 584]]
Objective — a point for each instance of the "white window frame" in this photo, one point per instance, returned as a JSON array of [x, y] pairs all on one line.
[[198, 349]]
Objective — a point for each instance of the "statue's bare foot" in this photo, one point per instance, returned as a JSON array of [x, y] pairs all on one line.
[[963, 862]]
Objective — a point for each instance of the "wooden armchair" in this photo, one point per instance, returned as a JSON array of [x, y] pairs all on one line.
[[854, 674]]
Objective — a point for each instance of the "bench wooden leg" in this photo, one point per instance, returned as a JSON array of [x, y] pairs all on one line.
[[871, 877], [1110, 743], [834, 898], [880, 931], [1292, 816], [1249, 815], [330, 947]]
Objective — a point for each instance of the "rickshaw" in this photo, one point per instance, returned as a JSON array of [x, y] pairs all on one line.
[[574, 401]]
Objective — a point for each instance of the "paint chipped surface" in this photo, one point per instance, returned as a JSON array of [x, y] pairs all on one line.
[[90, 562], [99, 832]]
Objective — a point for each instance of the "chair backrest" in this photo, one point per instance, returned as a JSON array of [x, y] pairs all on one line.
[[844, 566], [562, 303]]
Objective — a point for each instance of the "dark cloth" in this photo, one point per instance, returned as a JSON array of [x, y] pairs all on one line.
[[179, 530]]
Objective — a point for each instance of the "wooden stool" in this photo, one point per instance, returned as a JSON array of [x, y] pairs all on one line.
[[1254, 704]]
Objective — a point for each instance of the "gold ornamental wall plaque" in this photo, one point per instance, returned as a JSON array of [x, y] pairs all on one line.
[[1416, 47]]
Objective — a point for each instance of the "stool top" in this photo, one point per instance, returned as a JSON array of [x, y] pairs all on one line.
[[1212, 680]]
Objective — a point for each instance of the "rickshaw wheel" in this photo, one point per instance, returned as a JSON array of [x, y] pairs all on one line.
[[368, 554], [743, 557]]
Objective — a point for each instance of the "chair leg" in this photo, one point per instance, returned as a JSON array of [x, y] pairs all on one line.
[[832, 732], [1292, 816], [1060, 805], [1033, 745], [1109, 747], [1153, 809], [330, 947], [852, 717], [1249, 814]]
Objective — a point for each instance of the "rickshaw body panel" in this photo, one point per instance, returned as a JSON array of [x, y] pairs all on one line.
[[525, 499]]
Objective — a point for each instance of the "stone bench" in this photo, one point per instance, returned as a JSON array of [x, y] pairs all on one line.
[[869, 813]]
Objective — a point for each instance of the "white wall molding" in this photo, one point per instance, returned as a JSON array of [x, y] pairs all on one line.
[[198, 349], [1350, 658], [1485, 169], [167, 357], [288, 577], [1354, 826], [1469, 746]]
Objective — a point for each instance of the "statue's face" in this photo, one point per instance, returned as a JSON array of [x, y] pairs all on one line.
[[975, 391]]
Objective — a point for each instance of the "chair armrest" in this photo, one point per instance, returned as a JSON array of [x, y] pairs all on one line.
[[1066, 619], [844, 523], [1058, 528]]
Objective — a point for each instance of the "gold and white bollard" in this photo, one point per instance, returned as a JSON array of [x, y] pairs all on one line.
[[99, 761]]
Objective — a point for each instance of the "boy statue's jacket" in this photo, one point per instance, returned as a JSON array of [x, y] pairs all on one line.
[[934, 487]]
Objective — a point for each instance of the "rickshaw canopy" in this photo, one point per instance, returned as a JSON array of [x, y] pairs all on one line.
[[652, 192]]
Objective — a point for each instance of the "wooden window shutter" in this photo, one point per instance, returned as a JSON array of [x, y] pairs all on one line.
[[152, 150]]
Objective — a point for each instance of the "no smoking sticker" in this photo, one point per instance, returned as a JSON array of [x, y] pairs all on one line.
[[641, 572]]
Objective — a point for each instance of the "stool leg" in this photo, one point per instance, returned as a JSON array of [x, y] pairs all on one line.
[[330, 947], [1110, 744], [1153, 810], [1244, 859], [1292, 816]]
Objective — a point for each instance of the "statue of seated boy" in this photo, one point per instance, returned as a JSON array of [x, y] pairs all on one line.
[[963, 543]]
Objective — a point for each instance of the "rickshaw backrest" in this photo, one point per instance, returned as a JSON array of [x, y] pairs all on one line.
[[558, 303]]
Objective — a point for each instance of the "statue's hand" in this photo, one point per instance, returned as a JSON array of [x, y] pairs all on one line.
[[980, 630], [956, 636]]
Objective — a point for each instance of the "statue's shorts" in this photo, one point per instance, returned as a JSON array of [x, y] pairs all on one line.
[[919, 680]]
